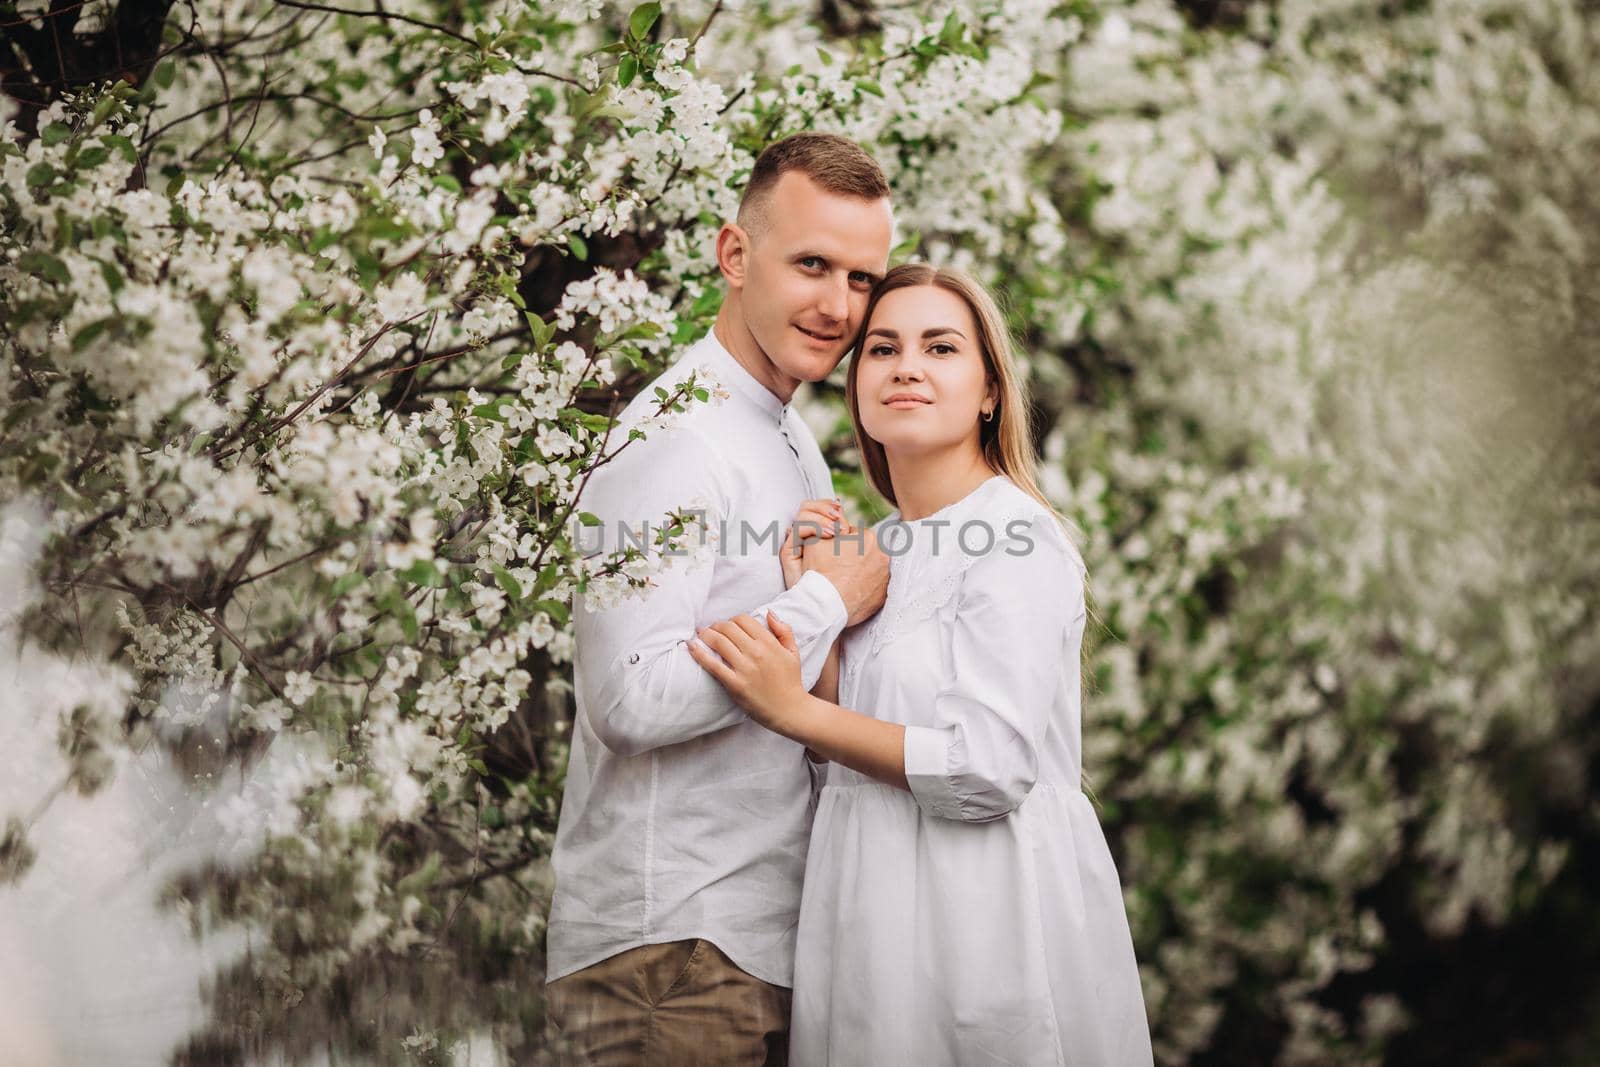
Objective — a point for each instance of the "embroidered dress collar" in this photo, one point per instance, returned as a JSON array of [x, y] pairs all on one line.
[[740, 382], [931, 555]]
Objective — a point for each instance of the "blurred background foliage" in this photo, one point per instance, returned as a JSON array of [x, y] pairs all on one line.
[[1307, 293]]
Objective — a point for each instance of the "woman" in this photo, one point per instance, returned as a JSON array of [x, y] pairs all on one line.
[[960, 904]]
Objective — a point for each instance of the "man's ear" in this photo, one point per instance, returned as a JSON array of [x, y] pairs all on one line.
[[733, 253]]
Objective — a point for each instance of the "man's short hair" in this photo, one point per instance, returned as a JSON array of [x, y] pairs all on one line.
[[835, 163]]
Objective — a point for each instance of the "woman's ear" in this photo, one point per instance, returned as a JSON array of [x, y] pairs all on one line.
[[733, 253]]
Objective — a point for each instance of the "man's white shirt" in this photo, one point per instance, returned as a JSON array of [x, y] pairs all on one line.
[[682, 817]]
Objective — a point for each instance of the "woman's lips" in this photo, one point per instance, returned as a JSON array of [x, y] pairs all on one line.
[[906, 402]]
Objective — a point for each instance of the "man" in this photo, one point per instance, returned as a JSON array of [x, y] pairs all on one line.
[[683, 833]]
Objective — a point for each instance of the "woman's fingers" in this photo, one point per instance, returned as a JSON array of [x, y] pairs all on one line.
[[814, 525], [711, 663], [818, 520], [829, 505], [719, 640], [782, 631], [749, 627]]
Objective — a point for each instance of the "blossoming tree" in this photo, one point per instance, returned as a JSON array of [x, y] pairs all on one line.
[[313, 318]]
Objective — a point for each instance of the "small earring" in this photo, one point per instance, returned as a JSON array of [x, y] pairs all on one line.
[[988, 416]]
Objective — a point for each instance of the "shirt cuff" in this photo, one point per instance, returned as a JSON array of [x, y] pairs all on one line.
[[819, 589], [927, 755]]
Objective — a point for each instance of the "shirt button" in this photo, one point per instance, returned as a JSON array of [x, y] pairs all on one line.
[[634, 658]]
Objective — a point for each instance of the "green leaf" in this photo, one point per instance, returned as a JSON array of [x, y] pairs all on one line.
[[164, 73], [423, 572], [540, 330], [826, 57], [345, 584], [84, 337], [555, 609], [92, 157], [421, 878], [580, 247], [41, 174], [707, 302], [111, 274], [508, 583], [55, 133], [445, 181], [36, 262], [906, 247], [637, 330], [122, 144], [866, 85], [394, 603], [103, 110], [626, 70], [644, 16], [950, 33], [587, 519]]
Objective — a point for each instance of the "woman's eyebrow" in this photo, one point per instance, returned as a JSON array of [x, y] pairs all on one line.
[[932, 331]]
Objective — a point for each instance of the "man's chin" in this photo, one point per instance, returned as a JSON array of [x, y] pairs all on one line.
[[811, 366]]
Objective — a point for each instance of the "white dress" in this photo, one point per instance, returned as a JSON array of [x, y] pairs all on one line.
[[977, 919]]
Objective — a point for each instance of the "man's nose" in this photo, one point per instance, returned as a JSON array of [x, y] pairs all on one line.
[[835, 300]]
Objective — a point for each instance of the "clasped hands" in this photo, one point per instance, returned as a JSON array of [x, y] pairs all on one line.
[[759, 663]]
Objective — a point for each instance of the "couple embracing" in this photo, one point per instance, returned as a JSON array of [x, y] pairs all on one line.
[[823, 804]]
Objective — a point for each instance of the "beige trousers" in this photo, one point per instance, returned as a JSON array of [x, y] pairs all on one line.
[[679, 1003]]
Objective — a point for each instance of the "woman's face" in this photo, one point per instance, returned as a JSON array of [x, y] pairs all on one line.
[[921, 382]]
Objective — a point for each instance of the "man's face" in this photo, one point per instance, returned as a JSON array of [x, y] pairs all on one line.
[[809, 272]]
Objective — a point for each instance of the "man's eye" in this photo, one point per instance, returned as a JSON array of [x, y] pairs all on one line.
[[811, 261], [861, 279]]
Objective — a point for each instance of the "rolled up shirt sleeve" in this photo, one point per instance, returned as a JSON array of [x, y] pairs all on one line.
[[638, 687], [1014, 614]]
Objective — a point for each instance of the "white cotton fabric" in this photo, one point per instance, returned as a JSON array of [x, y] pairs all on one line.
[[979, 918], [682, 818]]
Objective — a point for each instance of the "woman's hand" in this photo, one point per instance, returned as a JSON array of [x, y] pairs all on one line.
[[817, 520], [758, 665]]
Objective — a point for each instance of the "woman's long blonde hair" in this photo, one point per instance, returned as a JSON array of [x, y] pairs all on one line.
[[1005, 440]]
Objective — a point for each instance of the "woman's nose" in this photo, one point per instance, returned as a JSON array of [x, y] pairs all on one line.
[[907, 368]]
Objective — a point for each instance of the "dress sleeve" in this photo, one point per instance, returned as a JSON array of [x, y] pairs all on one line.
[[638, 687], [1016, 612]]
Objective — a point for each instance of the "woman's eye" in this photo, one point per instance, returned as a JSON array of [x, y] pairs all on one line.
[[881, 350], [943, 348]]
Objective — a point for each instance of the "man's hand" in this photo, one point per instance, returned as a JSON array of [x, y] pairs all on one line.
[[858, 568]]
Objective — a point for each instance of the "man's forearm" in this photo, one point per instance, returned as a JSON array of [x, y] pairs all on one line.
[[651, 697]]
